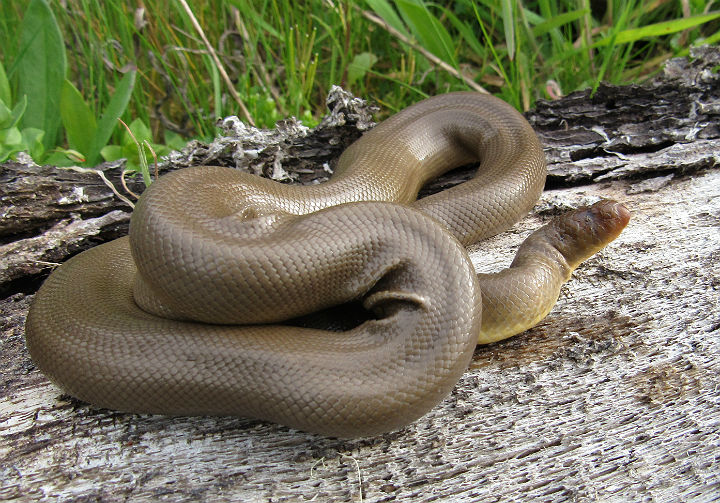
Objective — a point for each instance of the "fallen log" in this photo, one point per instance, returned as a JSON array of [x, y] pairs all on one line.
[[614, 397]]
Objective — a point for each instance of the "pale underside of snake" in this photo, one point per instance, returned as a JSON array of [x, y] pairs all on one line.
[[223, 298]]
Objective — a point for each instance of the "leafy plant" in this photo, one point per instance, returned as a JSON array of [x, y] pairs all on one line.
[[12, 138], [41, 68], [136, 138], [83, 132], [49, 104]]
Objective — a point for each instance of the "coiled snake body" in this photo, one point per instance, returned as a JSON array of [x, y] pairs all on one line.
[[189, 314]]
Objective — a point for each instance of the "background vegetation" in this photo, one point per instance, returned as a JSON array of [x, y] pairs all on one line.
[[70, 68]]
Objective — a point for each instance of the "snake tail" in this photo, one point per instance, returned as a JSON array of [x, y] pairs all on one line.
[[512, 298]]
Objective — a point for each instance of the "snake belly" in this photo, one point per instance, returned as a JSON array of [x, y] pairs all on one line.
[[186, 315]]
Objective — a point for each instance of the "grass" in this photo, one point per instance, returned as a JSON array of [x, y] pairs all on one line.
[[282, 56]]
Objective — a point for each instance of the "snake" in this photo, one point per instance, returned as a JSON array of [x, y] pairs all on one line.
[[348, 308]]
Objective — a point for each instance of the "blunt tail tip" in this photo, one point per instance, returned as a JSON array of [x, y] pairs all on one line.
[[612, 215]]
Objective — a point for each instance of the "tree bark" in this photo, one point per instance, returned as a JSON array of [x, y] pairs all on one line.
[[614, 397]]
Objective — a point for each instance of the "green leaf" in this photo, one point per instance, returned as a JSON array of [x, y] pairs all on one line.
[[5, 116], [383, 9], [11, 140], [41, 70], [359, 66], [19, 110], [509, 27], [59, 157], [10, 118], [33, 142], [140, 131], [657, 29], [10, 136], [5, 96], [112, 152], [77, 118], [131, 152], [110, 117], [427, 29], [4, 153], [174, 141]]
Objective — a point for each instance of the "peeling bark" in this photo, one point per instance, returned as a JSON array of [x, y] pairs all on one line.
[[614, 397]]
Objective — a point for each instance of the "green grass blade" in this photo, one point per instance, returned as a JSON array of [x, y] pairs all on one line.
[[117, 105], [557, 21], [658, 29], [509, 27], [41, 70], [383, 9], [77, 118], [282, 55], [216, 86], [428, 29], [488, 40], [609, 53], [466, 30], [5, 96], [712, 39]]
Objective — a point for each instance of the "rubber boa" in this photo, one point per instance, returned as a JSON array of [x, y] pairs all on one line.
[[220, 300]]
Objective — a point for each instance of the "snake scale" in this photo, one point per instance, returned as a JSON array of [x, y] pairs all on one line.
[[189, 314]]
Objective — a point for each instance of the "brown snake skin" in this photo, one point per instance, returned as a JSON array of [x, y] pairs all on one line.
[[189, 314]]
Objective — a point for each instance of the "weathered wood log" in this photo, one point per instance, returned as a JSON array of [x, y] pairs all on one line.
[[619, 132], [50, 213], [614, 397]]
